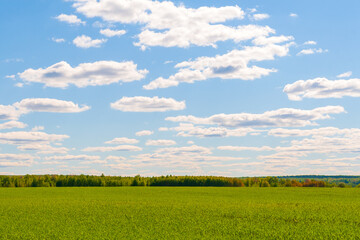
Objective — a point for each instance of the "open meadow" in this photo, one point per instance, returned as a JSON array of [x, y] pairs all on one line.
[[179, 213]]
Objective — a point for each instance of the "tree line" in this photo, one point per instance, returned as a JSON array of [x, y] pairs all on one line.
[[116, 181]]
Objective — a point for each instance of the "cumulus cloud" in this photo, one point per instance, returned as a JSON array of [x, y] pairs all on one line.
[[168, 25], [48, 105], [190, 130], [260, 16], [325, 131], [294, 15], [8, 112], [61, 74], [43, 148], [84, 41], [232, 65], [122, 140], [29, 138], [71, 19], [144, 133], [160, 142], [311, 51], [112, 33], [110, 149], [16, 160], [310, 42], [322, 88], [147, 104], [14, 111], [283, 117], [344, 75], [12, 124], [73, 158], [243, 148], [194, 149]]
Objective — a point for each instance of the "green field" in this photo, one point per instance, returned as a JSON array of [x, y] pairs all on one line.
[[179, 213]]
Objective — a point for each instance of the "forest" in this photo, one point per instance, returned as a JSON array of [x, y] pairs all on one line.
[[204, 181]]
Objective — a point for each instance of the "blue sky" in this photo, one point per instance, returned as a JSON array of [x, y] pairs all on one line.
[[230, 88]]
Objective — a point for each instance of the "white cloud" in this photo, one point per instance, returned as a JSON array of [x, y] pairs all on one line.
[[325, 131], [12, 77], [48, 105], [71, 19], [294, 15], [16, 160], [168, 25], [147, 104], [73, 158], [84, 41], [8, 112], [311, 51], [112, 33], [310, 42], [144, 133], [284, 117], [14, 111], [232, 65], [243, 148], [181, 151], [160, 142], [189, 130], [272, 40], [12, 124], [58, 40], [110, 149], [61, 74], [37, 128], [344, 75], [322, 88], [123, 140], [43, 148], [28, 138], [260, 16]]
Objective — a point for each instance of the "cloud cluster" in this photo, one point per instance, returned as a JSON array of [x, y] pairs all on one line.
[[344, 75], [71, 19], [168, 25], [160, 142], [16, 160], [84, 41], [43, 148], [27, 105], [310, 51], [115, 148], [112, 33], [147, 104], [322, 88], [190, 130], [61, 74], [48, 105], [122, 140], [12, 124], [29, 138], [283, 117], [72, 158], [260, 16], [232, 65], [144, 133]]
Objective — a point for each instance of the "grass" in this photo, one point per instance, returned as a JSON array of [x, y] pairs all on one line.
[[179, 213]]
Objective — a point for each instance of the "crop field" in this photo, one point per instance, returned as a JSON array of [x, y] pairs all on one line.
[[179, 213]]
